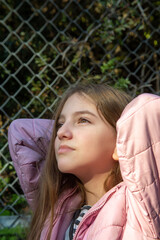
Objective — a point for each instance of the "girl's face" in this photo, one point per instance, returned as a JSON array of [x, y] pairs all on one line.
[[84, 143]]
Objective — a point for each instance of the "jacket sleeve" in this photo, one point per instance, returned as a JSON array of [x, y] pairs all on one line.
[[138, 148], [28, 141]]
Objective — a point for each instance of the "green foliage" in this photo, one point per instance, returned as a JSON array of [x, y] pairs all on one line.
[[17, 233], [122, 83], [9, 197], [108, 66]]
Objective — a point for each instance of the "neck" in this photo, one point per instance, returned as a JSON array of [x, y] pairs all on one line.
[[95, 189]]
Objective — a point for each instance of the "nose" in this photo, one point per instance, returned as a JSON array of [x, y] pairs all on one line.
[[64, 132]]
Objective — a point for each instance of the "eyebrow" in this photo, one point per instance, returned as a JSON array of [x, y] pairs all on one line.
[[80, 113]]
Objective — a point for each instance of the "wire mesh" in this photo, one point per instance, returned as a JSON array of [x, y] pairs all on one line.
[[46, 46]]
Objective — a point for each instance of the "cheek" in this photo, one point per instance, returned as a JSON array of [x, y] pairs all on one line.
[[91, 144], [104, 143]]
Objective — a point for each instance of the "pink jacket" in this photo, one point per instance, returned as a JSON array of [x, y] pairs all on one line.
[[129, 211]]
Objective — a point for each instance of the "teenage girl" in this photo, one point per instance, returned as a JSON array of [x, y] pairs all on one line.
[[76, 190]]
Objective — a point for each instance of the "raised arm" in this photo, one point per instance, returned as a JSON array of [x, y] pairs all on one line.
[[138, 147], [28, 141]]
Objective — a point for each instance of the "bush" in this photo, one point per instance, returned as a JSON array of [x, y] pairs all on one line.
[[17, 233]]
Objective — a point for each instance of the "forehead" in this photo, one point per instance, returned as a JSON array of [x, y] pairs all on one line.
[[78, 102]]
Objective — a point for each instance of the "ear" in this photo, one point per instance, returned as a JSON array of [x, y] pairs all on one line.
[[114, 155]]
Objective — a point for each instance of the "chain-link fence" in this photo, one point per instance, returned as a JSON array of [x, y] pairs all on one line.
[[46, 46]]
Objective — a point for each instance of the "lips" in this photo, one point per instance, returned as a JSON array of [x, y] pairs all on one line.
[[64, 149]]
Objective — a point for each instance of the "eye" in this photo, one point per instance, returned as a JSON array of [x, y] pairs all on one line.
[[59, 125], [83, 120]]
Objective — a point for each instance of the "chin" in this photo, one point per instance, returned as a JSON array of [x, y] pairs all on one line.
[[64, 169]]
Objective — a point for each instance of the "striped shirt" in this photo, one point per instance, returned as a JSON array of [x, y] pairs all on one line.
[[79, 214]]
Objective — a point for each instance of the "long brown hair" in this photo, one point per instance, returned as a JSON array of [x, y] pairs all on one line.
[[110, 103]]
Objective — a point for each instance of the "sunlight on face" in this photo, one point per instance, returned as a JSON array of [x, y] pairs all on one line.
[[84, 143]]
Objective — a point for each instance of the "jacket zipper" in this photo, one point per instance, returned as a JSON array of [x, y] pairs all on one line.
[[91, 213]]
